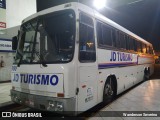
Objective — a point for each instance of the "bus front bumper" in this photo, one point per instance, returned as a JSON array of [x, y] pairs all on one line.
[[59, 105]]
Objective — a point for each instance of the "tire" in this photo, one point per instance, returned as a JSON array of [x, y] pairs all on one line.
[[146, 74], [109, 91]]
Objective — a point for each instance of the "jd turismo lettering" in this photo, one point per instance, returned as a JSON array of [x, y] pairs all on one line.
[[119, 56], [36, 79]]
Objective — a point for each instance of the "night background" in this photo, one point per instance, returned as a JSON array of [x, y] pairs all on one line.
[[142, 17]]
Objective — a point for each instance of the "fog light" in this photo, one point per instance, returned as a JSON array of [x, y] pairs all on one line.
[[15, 98], [51, 106], [20, 102], [59, 106]]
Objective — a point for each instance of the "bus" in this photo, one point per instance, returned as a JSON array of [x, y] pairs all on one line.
[[71, 58]]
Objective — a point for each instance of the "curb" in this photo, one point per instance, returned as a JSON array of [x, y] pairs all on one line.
[[8, 105]]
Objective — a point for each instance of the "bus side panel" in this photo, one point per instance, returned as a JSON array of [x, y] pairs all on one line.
[[124, 71], [146, 61], [103, 74]]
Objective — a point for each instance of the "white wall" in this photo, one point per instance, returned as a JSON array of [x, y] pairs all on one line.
[[5, 72], [17, 10]]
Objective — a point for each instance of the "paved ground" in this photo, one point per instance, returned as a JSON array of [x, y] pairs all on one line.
[[5, 94], [145, 97]]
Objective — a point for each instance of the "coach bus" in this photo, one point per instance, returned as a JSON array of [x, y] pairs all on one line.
[[70, 58]]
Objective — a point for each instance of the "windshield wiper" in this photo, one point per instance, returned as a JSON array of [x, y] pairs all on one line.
[[21, 57], [41, 58]]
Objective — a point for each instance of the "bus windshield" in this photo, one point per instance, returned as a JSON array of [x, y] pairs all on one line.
[[48, 39]]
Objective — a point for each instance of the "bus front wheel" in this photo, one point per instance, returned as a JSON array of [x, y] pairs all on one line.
[[109, 91]]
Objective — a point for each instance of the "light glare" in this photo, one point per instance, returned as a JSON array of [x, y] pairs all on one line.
[[99, 4]]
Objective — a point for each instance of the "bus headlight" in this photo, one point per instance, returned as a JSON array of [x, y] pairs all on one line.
[[15, 98], [51, 105]]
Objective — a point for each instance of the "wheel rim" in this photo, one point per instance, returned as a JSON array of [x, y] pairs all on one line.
[[108, 90]]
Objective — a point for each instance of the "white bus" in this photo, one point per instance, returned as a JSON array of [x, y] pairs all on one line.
[[70, 58]]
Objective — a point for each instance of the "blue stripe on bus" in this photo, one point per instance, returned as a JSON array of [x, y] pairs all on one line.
[[103, 66]]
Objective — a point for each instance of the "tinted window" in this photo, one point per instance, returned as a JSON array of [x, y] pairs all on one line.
[[144, 48], [118, 42], [113, 37], [107, 38], [131, 43], [139, 46], [148, 49], [135, 45], [99, 33], [86, 20], [122, 40], [104, 34], [152, 52], [48, 39], [127, 42], [87, 42]]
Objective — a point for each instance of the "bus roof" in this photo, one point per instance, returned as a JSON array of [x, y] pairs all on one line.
[[101, 17], [91, 12], [119, 27]]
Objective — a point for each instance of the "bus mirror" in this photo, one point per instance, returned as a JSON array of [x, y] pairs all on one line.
[[14, 43]]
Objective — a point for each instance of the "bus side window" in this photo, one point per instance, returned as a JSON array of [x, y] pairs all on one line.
[[117, 40], [152, 50], [143, 48], [122, 40], [99, 33], [126, 39], [131, 44], [127, 42], [148, 49], [135, 45], [139, 46], [114, 37], [87, 52], [107, 36]]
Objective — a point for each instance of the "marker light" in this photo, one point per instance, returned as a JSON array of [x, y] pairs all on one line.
[[99, 4]]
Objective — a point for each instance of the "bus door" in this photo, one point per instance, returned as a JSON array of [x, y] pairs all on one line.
[[87, 66]]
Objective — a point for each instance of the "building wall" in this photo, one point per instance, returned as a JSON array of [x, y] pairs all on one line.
[[5, 70], [10, 32], [17, 10], [2, 14]]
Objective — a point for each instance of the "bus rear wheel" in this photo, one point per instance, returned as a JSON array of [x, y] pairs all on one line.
[[146, 74], [109, 91]]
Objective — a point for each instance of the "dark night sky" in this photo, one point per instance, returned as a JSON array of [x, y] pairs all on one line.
[[142, 18]]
